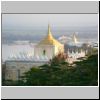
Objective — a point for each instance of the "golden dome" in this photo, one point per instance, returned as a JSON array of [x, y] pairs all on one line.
[[49, 39]]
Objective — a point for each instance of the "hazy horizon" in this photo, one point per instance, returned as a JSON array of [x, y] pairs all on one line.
[[42, 20], [35, 26]]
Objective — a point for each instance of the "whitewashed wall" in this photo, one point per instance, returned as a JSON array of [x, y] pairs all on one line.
[[12, 68], [38, 51]]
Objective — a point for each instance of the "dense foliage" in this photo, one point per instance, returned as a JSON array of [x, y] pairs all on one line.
[[60, 73]]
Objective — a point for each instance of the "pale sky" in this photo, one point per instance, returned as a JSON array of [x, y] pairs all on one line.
[[11, 21]]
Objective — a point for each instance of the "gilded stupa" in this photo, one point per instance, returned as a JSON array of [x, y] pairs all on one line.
[[49, 39], [48, 47]]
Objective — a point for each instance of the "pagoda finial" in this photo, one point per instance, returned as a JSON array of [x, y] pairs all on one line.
[[49, 30]]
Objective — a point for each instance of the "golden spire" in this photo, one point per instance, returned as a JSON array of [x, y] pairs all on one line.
[[49, 33], [49, 30], [49, 39]]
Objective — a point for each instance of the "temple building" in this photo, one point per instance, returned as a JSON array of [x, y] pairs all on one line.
[[44, 51], [48, 47]]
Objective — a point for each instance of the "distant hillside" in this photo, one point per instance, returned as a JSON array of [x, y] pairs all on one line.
[[8, 36]]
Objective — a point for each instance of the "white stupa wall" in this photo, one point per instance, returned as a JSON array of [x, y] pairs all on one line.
[[49, 51], [59, 49], [76, 54], [12, 68]]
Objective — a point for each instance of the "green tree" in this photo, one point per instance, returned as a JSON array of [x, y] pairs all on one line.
[[59, 73]]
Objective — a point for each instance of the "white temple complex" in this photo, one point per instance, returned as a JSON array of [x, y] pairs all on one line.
[[45, 50]]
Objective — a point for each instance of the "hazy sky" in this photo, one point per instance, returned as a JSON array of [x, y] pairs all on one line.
[[11, 21]]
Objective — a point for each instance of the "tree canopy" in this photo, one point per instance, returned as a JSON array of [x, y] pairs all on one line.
[[59, 73]]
